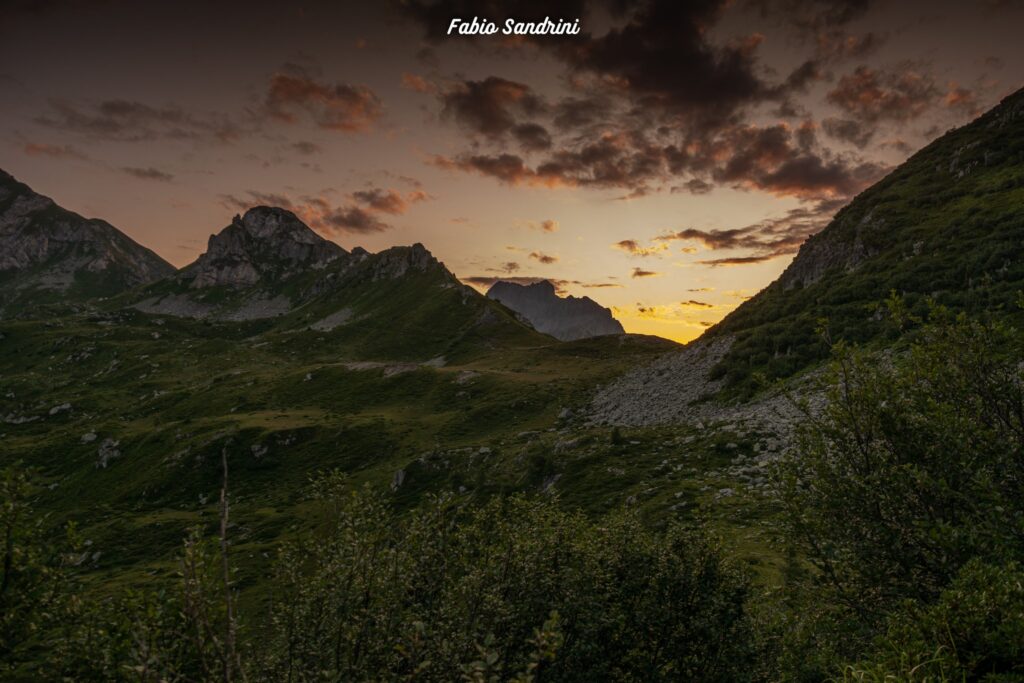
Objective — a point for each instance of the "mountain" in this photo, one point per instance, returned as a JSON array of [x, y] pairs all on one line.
[[266, 243], [946, 225], [267, 268], [567, 318], [50, 254]]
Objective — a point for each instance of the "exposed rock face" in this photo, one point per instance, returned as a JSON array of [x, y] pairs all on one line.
[[827, 250], [563, 318], [265, 243], [43, 246]]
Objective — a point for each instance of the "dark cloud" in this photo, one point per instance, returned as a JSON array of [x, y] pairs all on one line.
[[352, 219], [532, 136], [130, 121], [510, 169], [654, 103], [307, 148], [543, 258], [427, 57], [813, 16], [640, 272], [36, 149], [340, 106], [546, 225], [833, 46], [493, 107], [776, 160], [662, 57], [417, 83], [963, 100], [737, 260], [575, 113], [871, 95], [768, 239], [389, 201], [636, 249], [148, 174], [848, 130], [694, 303]]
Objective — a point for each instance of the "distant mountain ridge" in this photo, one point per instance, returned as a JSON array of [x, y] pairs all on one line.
[[50, 253], [567, 318]]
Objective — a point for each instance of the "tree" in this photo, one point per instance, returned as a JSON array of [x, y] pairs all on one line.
[[913, 469]]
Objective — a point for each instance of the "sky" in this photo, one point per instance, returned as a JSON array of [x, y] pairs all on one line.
[[667, 161]]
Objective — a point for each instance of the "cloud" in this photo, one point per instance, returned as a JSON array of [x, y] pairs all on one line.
[[871, 95], [306, 148], [506, 267], [561, 285], [693, 303], [148, 174], [132, 121], [389, 201], [417, 83], [316, 211], [340, 106], [653, 102], [546, 225], [640, 272], [848, 130], [543, 258], [633, 247], [662, 56], [352, 219], [54, 151], [738, 260], [768, 239], [492, 107], [962, 99], [506, 168]]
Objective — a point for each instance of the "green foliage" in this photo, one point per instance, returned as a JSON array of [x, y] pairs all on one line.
[[915, 466], [31, 582], [452, 592], [514, 590], [912, 470], [946, 225], [974, 632]]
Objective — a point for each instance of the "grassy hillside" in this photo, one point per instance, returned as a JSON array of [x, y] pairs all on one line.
[[948, 225], [126, 415]]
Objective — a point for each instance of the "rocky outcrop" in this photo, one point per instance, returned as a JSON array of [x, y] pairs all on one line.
[[563, 318], [395, 262], [267, 243], [43, 246], [677, 389]]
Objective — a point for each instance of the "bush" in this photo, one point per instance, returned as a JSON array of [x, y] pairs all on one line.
[[516, 589], [915, 467], [974, 632], [450, 591], [913, 470]]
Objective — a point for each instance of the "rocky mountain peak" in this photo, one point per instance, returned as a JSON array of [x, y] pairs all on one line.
[[275, 223], [565, 318], [397, 261], [266, 243], [45, 247]]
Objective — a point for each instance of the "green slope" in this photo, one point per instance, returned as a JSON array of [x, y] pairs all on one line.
[[948, 224]]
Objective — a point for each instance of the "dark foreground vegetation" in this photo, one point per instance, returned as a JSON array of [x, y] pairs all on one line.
[[904, 510]]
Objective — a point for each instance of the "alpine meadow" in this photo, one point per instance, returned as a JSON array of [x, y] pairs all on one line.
[[565, 452]]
